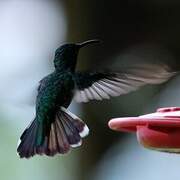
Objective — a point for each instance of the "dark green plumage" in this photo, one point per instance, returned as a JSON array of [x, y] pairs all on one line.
[[55, 90], [55, 129]]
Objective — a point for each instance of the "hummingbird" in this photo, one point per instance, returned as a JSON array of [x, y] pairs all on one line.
[[55, 130]]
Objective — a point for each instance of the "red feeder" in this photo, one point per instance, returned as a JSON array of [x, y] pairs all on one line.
[[159, 131]]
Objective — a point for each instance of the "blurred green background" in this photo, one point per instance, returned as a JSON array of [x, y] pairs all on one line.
[[31, 30]]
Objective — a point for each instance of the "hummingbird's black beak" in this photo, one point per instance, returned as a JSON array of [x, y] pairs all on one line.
[[88, 42]]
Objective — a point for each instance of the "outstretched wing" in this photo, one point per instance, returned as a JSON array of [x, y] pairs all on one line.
[[103, 85]]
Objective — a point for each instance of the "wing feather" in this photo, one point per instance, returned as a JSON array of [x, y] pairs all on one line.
[[103, 85]]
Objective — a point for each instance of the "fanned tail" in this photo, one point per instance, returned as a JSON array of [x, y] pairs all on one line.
[[62, 134]]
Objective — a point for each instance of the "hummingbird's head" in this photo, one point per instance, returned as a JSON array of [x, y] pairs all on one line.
[[66, 55]]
